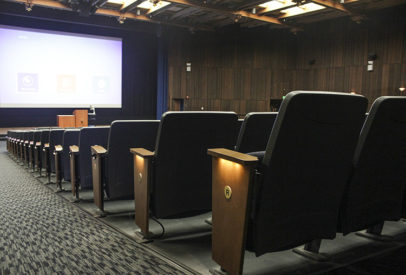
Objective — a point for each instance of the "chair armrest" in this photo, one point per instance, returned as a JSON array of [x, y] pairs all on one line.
[[98, 153], [38, 144], [46, 145], [58, 148], [98, 150], [31, 142], [232, 184], [233, 156], [142, 152], [74, 149]]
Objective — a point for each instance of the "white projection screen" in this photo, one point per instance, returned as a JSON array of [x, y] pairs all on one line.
[[47, 69]]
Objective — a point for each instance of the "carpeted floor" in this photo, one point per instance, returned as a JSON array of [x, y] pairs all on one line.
[[41, 233]]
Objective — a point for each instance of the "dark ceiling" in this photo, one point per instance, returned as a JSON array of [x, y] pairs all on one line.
[[213, 14]]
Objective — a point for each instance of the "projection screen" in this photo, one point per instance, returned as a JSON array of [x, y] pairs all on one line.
[[47, 69]]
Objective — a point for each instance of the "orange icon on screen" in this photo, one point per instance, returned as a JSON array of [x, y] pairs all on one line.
[[66, 83]]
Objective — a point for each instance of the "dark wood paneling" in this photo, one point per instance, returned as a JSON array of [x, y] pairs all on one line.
[[241, 70]]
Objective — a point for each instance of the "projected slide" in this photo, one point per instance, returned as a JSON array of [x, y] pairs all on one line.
[[54, 69]]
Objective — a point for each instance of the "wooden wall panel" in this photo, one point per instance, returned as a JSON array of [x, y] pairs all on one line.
[[240, 70]]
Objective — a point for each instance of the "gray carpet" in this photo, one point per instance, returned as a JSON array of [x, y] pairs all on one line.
[[41, 233]]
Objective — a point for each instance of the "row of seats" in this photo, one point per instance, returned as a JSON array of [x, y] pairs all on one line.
[[323, 169]]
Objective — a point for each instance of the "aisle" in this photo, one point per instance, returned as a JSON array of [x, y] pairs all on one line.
[[41, 233]]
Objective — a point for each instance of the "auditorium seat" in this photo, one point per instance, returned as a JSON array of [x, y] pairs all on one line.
[[112, 169], [40, 160], [80, 157], [24, 145], [175, 179], [375, 191], [293, 196], [70, 137], [55, 140], [20, 145], [48, 152], [12, 136], [255, 131], [15, 139], [8, 138], [36, 157], [29, 148]]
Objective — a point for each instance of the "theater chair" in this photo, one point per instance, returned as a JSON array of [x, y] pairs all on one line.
[[8, 137], [175, 180], [20, 146], [40, 161], [24, 141], [28, 148], [70, 137], [254, 134], [55, 141], [292, 195], [255, 131], [11, 136], [375, 191], [35, 156], [112, 168], [19, 137], [10, 140], [81, 160]]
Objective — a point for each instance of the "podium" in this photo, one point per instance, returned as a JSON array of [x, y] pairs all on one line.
[[78, 119], [65, 121], [81, 118]]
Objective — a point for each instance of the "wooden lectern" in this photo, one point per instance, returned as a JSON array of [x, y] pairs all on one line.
[[78, 119], [81, 118], [66, 121]]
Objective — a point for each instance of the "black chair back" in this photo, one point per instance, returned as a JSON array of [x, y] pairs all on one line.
[[37, 136], [182, 182], [126, 134], [55, 138], [255, 131], [26, 135], [70, 137], [376, 188], [88, 137], [305, 169], [31, 136], [44, 138]]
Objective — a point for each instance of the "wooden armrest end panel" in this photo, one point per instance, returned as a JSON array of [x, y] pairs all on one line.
[[74, 149], [142, 152], [233, 156], [98, 150]]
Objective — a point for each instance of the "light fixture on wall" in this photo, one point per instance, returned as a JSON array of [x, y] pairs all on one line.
[[28, 5], [121, 19], [402, 88], [371, 58]]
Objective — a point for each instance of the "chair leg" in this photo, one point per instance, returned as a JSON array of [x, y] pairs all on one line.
[[375, 233], [311, 251], [98, 190], [73, 179], [58, 172]]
